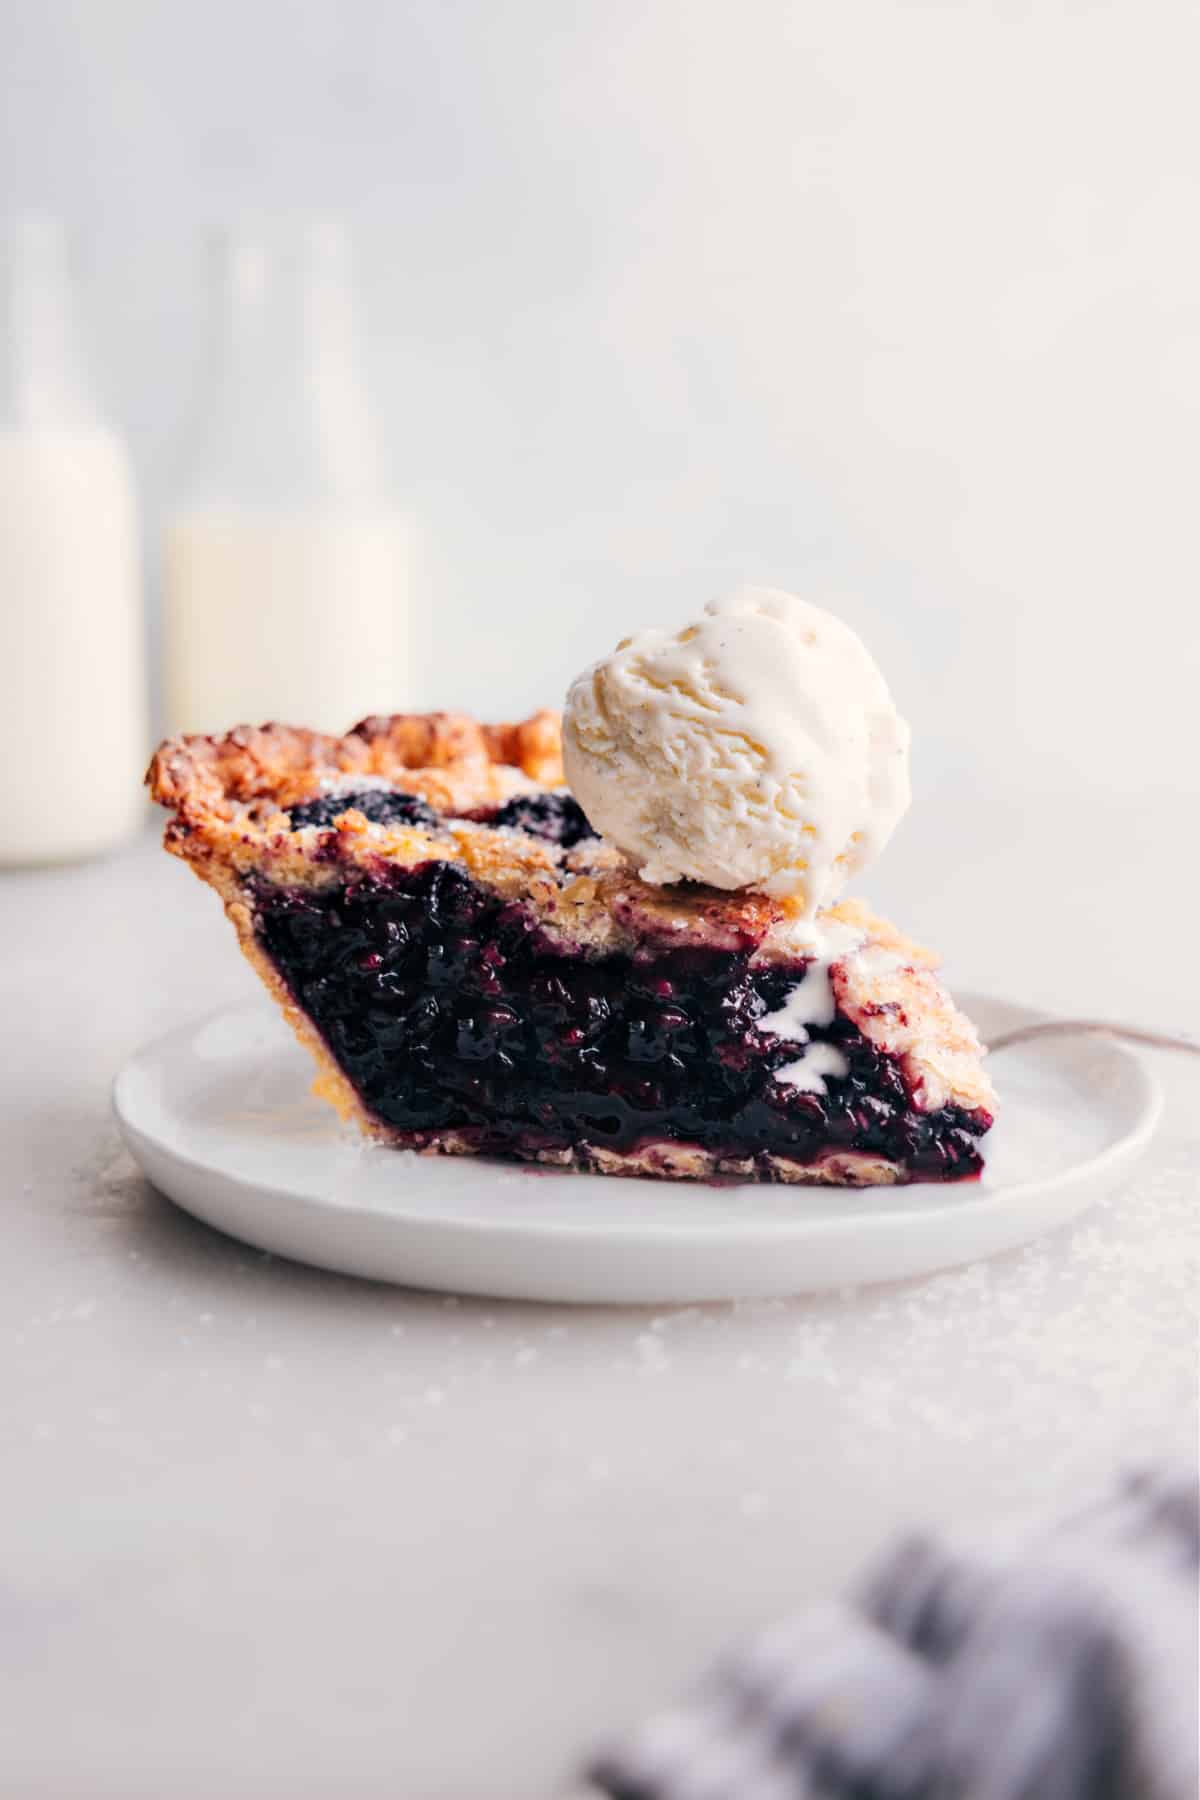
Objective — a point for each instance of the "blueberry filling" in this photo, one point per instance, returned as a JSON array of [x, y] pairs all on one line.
[[383, 806], [558, 818], [555, 818], [449, 1009]]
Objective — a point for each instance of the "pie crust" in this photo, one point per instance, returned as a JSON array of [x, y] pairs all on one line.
[[231, 800]]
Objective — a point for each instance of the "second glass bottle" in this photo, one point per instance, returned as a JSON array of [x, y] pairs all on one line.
[[285, 558]]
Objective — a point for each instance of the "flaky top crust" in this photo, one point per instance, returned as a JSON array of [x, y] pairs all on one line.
[[230, 797], [447, 758]]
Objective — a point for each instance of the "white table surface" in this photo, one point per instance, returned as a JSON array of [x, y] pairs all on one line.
[[270, 1532]]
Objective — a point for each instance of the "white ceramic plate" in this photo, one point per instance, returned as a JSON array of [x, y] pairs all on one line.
[[219, 1117]]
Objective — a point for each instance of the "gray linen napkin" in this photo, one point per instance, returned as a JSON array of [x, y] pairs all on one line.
[[1042, 1663]]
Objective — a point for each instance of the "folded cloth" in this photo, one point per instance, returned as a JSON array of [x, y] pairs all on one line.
[[1044, 1663]]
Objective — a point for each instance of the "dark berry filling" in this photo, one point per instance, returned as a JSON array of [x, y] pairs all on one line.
[[383, 806], [449, 1009], [558, 818], [555, 818]]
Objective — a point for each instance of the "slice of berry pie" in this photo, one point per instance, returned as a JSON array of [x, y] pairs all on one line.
[[474, 971]]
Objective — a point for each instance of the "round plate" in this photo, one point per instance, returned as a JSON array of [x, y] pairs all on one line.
[[220, 1118]]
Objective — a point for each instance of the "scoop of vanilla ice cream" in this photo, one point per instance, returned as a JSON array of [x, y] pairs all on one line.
[[757, 748]]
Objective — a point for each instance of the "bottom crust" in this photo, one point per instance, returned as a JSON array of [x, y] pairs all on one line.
[[668, 1160]]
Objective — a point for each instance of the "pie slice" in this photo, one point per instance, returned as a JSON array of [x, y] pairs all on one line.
[[475, 972]]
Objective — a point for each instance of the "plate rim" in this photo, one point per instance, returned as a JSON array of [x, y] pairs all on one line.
[[1146, 1100]]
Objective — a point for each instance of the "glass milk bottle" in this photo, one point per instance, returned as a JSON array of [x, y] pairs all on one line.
[[73, 727], [284, 560]]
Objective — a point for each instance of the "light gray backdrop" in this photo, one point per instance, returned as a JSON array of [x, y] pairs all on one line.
[[896, 303]]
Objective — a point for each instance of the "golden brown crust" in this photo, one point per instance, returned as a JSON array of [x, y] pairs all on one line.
[[201, 777]]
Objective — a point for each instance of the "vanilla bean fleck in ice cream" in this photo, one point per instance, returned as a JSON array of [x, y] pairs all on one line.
[[757, 748]]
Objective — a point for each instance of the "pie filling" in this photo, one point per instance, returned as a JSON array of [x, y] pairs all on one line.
[[453, 1013]]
